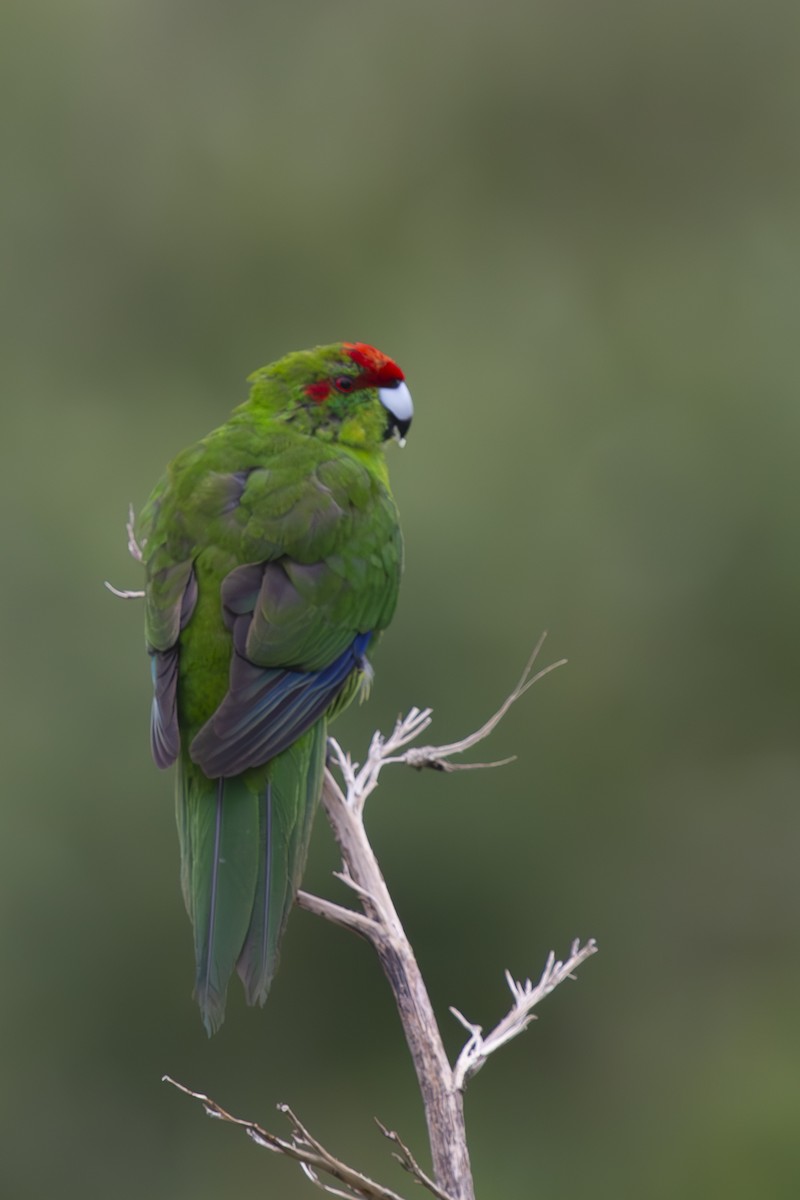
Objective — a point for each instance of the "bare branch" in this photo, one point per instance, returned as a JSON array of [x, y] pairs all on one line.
[[409, 1163], [360, 782], [441, 1085], [303, 1148], [337, 914], [123, 595], [526, 996], [442, 1101], [135, 551], [435, 756]]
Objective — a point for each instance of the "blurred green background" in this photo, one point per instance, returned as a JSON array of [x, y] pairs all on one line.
[[577, 227]]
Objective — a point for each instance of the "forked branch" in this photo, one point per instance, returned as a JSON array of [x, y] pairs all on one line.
[[441, 1085], [313, 1158]]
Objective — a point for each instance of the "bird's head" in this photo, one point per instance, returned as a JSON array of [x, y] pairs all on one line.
[[347, 392]]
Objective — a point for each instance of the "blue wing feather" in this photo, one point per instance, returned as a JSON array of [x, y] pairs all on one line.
[[265, 710], [165, 737]]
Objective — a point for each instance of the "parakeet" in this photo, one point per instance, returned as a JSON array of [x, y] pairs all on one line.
[[273, 555]]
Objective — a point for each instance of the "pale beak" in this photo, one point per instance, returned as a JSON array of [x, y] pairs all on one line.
[[400, 407]]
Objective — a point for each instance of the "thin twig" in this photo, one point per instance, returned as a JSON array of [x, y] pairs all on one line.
[[337, 914], [135, 548], [303, 1148], [136, 552], [409, 1163], [436, 756], [526, 996], [123, 595]]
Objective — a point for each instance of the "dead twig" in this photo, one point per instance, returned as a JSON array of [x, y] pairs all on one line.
[[302, 1147]]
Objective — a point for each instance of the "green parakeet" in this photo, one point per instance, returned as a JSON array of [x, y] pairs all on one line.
[[273, 555]]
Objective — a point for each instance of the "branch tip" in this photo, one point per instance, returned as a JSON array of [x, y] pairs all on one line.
[[122, 593], [136, 552], [525, 996]]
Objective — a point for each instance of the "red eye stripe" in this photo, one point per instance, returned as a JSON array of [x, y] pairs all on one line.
[[374, 370]]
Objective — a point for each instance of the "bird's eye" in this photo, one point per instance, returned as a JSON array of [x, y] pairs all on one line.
[[344, 383]]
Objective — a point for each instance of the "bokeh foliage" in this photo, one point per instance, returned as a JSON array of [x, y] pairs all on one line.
[[577, 227]]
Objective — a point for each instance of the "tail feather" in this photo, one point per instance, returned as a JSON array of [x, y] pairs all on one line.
[[286, 815], [218, 829], [244, 843]]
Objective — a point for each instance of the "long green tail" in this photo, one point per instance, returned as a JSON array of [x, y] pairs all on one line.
[[244, 843]]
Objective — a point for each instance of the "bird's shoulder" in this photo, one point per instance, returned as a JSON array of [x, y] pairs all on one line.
[[247, 494]]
